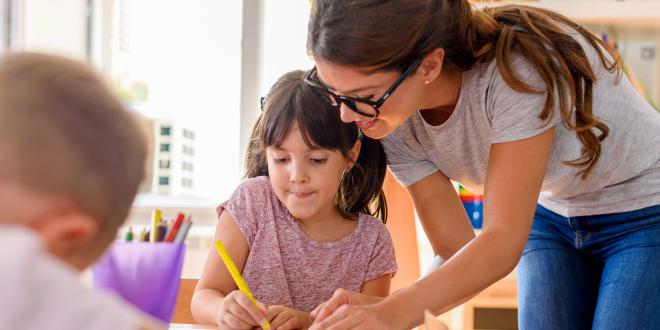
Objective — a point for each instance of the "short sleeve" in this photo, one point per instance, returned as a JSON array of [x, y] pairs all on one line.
[[383, 259], [515, 115], [247, 205], [406, 157]]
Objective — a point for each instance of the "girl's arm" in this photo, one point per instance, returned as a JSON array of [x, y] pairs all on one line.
[[216, 282], [514, 177], [379, 287]]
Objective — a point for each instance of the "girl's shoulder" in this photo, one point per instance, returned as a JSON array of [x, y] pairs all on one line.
[[251, 195], [256, 187], [372, 225]]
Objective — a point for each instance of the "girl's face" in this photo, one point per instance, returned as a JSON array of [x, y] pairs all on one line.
[[353, 82], [306, 180]]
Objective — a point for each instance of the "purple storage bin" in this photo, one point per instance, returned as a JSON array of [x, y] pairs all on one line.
[[146, 275]]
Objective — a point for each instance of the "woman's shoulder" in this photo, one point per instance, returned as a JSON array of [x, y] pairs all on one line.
[[407, 137]]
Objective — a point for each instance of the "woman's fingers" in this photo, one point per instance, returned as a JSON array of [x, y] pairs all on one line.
[[339, 298], [351, 317]]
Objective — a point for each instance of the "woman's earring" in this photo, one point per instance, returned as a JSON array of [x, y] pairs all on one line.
[[426, 82]]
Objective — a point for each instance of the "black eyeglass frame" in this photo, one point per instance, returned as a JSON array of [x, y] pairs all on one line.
[[351, 102]]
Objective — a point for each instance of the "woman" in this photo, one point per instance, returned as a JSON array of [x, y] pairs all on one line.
[[531, 110]]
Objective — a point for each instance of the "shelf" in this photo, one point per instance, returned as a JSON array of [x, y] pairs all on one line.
[[607, 12]]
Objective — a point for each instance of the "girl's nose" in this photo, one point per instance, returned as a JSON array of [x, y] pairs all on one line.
[[298, 174]]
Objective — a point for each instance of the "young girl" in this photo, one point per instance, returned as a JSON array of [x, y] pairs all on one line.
[[304, 223], [526, 107]]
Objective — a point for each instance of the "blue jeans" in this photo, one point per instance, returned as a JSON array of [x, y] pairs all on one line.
[[600, 271]]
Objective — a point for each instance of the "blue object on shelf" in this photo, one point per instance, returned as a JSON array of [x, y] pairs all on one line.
[[474, 209]]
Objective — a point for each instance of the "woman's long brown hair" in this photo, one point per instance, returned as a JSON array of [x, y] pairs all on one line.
[[392, 34]]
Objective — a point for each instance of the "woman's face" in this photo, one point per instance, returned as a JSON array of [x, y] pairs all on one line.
[[365, 83]]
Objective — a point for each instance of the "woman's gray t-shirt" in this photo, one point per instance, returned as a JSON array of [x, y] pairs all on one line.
[[626, 177]]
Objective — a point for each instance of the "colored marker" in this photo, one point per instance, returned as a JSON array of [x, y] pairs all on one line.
[[183, 231], [162, 230], [236, 275], [143, 235], [155, 220], [129, 234], [171, 233]]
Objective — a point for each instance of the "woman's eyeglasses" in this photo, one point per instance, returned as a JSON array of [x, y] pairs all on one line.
[[335, 100]]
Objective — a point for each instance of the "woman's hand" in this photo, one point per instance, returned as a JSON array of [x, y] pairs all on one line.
[[339, 298], [285, 318], [237, 311], [355, 317]]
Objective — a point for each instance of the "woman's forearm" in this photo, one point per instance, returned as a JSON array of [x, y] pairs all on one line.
[[205, 306], [469, 271]]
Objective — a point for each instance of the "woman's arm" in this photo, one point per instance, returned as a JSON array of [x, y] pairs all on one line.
[[216, 282], [442, 215], [514, 177]]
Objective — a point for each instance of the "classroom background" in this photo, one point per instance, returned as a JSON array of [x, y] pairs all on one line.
[[193, 70]]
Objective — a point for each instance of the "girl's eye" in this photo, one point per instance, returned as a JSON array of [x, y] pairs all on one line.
[[319, 161], [369, 97], [281, 160]]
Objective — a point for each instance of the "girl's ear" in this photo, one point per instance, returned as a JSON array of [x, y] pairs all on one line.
[[353, 153], [431, 65]]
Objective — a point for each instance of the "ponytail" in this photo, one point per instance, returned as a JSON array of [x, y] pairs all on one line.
[[255, 156], [540, 36], [361, 189]]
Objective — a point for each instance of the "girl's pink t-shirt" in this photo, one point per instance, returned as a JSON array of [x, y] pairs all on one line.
[[286, 267]]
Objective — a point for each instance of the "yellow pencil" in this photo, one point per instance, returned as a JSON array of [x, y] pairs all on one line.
[[155, 220], [236, 275]]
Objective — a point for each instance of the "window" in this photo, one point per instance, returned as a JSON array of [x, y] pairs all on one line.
[[187, 182], [163, 180], [164, 164], [153, 76], [130, 42]]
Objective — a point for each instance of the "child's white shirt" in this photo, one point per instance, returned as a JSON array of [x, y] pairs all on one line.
[[38, 291]]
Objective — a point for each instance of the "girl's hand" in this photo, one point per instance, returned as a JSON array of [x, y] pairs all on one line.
[[284, 318], [237, 311], [354, 317], [339, 298]]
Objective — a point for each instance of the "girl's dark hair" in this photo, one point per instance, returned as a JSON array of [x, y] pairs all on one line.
[[392, 34], [289, 100]]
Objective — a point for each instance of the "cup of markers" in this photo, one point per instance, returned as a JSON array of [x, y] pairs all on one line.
[[145, 269]]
